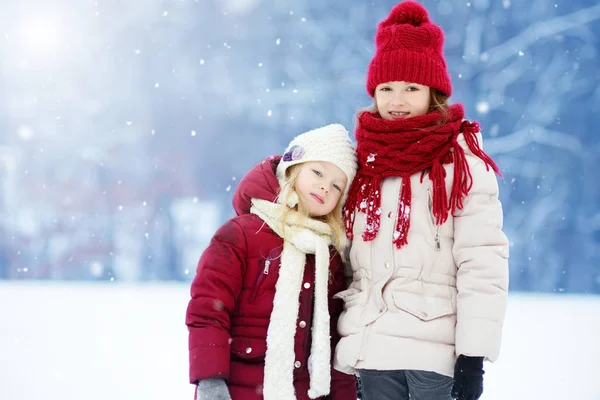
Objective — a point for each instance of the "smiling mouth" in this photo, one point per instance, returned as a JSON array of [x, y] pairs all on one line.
[[318, 198], [399, 114]]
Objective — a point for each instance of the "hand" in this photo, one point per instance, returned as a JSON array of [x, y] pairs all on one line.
[[212, 389], [468, 378]]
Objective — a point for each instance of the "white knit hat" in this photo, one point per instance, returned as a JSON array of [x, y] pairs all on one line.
[[330, 143]]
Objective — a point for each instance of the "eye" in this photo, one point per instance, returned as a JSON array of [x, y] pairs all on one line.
[[412, 89], [317, 173], [337, 187], [385, 89]]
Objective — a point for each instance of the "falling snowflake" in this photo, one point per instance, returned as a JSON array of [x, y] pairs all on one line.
[[219, 305], [483, 107], [96, 269]]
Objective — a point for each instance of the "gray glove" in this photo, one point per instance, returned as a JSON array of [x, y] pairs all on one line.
[[212, 389]]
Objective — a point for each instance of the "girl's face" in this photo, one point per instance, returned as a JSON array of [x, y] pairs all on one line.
[[319, 186], [399, 100]]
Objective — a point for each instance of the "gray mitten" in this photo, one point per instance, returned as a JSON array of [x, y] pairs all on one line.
[[213, 389]]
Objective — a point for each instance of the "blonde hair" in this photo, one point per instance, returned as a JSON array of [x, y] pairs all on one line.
[[437, 101], [333, 219]]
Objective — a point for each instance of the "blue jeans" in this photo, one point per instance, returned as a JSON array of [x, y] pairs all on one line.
[[404, 385]]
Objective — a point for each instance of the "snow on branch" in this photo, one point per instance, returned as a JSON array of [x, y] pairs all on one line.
[[533, 134], [540, 30]]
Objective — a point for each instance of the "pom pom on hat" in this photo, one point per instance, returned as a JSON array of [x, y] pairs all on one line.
[[408, 12], [409, 47]]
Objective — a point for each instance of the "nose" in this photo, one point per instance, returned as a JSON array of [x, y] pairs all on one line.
[[398, 99], [325, 187]]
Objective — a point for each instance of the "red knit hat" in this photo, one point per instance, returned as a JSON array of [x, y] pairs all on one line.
[[409, 48]]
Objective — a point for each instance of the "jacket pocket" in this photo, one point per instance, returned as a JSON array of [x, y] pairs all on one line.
[[267, 267], [425, 308], [260, 278], [250, 350]]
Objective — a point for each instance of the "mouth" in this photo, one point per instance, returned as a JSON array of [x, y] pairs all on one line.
[[399, 114], [318, 198]]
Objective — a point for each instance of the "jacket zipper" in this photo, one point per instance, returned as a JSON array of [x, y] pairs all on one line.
[[260, 278], [438, 245]]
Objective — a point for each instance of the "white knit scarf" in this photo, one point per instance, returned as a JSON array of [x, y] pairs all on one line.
[[301, 236]]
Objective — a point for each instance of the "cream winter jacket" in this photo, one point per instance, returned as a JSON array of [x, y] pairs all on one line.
[[441, 295]]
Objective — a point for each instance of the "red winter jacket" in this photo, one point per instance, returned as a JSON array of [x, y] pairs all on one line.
[[232, 299]]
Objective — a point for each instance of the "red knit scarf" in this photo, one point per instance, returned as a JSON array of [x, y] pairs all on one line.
[[400, 148]]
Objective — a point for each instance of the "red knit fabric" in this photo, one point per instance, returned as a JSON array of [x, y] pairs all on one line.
[[409, 47], [401, 148]]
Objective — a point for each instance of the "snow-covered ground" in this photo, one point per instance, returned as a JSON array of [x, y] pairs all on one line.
[[77, 341]]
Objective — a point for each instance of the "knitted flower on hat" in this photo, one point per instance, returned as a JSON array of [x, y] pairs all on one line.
[[409, 47]]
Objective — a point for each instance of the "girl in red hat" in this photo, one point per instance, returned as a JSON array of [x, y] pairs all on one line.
[[429, 260], [262, 318]]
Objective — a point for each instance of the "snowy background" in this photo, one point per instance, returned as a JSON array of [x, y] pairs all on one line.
[[126, 125]]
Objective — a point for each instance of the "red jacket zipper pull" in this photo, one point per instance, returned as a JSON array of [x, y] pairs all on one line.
[[266, 269]]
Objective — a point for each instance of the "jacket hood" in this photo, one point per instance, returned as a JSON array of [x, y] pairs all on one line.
[[259, 183]]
